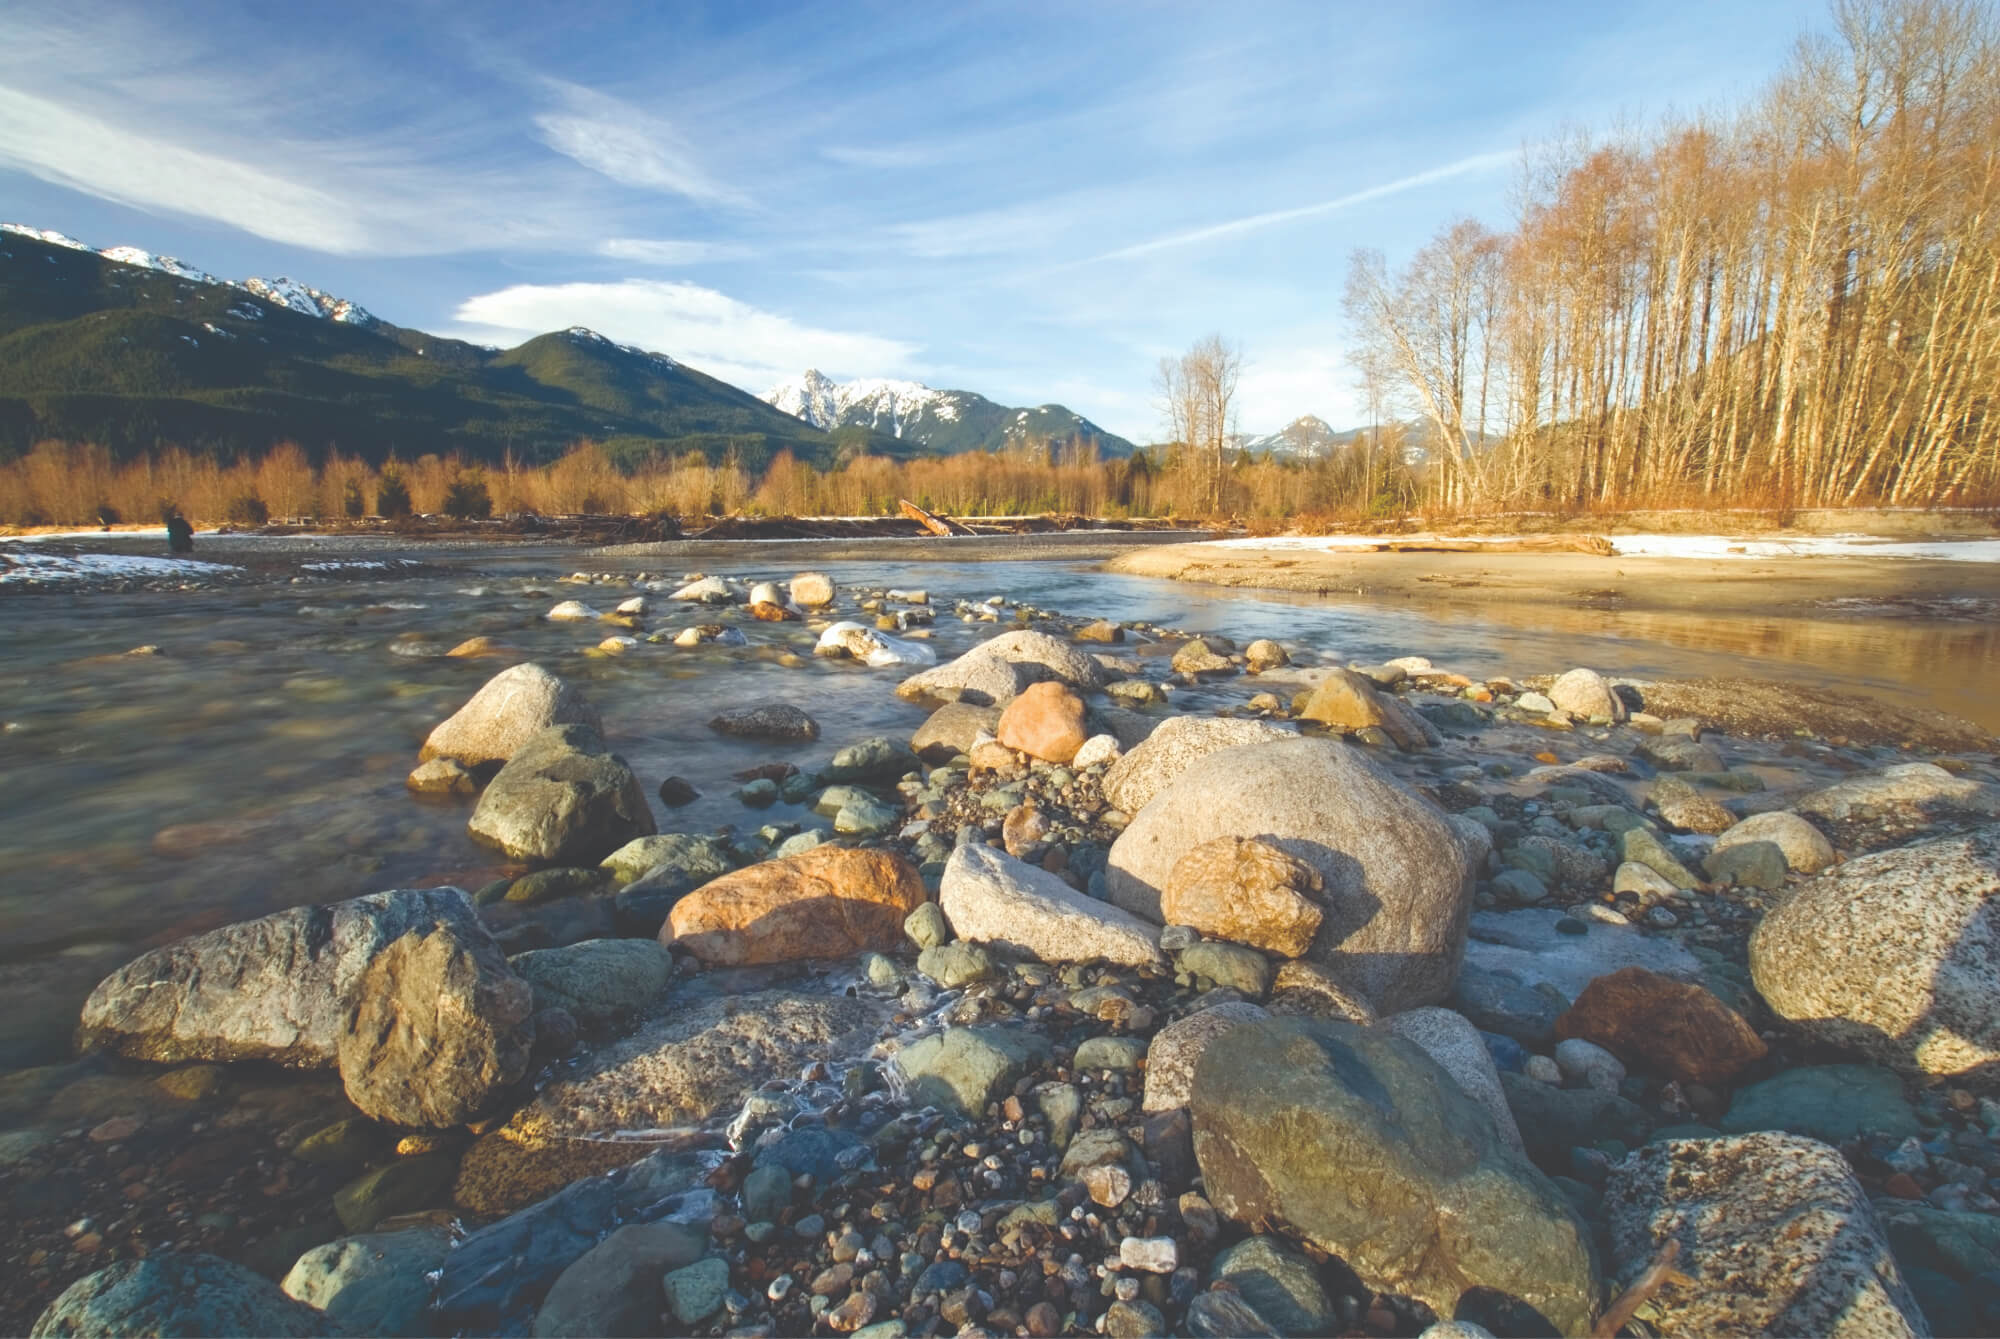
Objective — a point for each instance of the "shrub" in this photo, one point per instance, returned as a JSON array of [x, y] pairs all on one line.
[[468, 500], [351, 502], [392, 496], [247, 509]]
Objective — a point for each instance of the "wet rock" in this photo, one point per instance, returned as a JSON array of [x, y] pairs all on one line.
[[1747, 865], [769, 720], [1265, 654], [1459, 1050], [966, 1069], [1046, 721], [991, 898], [680, 860], [278, 988], [511, 708], [1776, 1237], [1348, 700], [812, 590], [1681, 806], [1672, 1028], [1895, 956], [1385, 1162], [995, 671], [951, 730], [871, 647], [1805, 849], [1918, 789], [1526, 946], [1176, 1049], [1398, 873], [1198, 657], [1175, 746], [695, 1292], [1552, 1121], [1223, 1314], [402, 1186], [441, 776], [706, 590], [439, 1027], [602, 983], [373, 1284], [1248, 891], [174, 1294], [1830, 1102], [1585, 693], [677, 791], [877, 758], [1103, 630], [829, 902], [1275, 1278], [562, 799]]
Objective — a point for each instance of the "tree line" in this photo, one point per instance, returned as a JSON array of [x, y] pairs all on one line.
[[1798, 304]]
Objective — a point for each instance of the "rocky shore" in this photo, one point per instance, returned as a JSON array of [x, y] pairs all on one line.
[[1385, 1002]]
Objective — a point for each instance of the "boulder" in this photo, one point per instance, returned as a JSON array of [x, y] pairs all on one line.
[[1911, 790], [827, 903], [1806, 849], [1265, 654], [992, 673], [1045, 721], [1398, 873], [952, 730], [967, 1069], [1895, 956], [1585, 693], [1246, 890], [562, 799], [1830, 1102], [1682, 806], [812, 590], [667, 858], [1176, 1048], [177, 1296], [439, 1027], [1776, 1237], [1456, 1045], [603, 983], [1747, 865], [707, 590], [1103, 630], [1352, 702], [1526, 946], [571, 611], [1275, 1277], [1174, 746], [1363, 1147], [277, 989], [989, 897], [378, 1283], [1216, 964], [512, 707], [613, 1290], [870, 647], [1671, 1028], [769, 720], [1199, 657]]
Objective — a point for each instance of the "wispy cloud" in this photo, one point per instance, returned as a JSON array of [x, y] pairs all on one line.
[[881, 157], [667, 251], [1482, 162], [700, 326], [619, 141]]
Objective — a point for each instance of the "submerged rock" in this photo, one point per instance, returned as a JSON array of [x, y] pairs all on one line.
[[374, 1284], [1398, 873], [769, 720]]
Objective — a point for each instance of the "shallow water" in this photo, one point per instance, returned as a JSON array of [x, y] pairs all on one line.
[[257, 762]]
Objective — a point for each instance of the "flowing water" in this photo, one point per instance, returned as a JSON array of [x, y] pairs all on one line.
[[257, 761]]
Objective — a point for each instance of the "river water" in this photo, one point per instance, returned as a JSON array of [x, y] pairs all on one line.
[[257, 761]]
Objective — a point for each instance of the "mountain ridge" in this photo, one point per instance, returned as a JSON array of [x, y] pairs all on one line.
[[944, 421]]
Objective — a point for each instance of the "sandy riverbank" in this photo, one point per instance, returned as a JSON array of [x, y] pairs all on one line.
[[1771, 585]]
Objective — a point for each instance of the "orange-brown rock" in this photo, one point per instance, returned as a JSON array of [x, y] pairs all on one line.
[[474, 647], [827, 903], [993, 756], [1245, 890], [766, 612], [1025, 825], [1045, 721], [1657, 1023], [1352, 702]]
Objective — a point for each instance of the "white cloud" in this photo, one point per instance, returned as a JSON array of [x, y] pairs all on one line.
[[712, 331], [666, 251], [82, 152], [621, 142], [1296, 378], [882, 157]]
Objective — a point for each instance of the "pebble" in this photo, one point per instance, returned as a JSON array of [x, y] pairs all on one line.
[[1155, 1255]]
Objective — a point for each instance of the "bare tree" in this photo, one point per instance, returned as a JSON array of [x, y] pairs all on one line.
[[1198, 400]]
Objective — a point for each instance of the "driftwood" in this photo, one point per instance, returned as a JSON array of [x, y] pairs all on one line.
[[1627, 1304], [931, 521], [1592, 544]]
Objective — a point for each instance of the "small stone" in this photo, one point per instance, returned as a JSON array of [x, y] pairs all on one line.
[[1155, 1255], [927, 926]]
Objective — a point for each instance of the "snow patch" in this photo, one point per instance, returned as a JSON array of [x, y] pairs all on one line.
[[1676, 546], [54, 568]]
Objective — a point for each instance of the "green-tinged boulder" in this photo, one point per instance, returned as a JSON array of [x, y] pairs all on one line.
[[1365, 1148], [373, 1284], [173, 1295], [562, 799], [956, 964], [1828, 1102], [603, 983], [1274, 1277], [688, 859], [402, 1186], [968, 1068], [614, 1290]]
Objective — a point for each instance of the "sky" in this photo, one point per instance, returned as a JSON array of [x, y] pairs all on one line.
[[1033, 201]]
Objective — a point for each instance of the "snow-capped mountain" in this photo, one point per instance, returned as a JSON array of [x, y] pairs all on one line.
[[944, 421], [282, 292], [1306, 437]]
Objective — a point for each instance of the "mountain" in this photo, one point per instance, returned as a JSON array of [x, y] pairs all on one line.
[[134, 351], [943, 422], [1304, 438]]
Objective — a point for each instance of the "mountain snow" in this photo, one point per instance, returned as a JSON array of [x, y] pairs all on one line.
[[879, 403], [1306, 438], [583, 334], [287, 293]]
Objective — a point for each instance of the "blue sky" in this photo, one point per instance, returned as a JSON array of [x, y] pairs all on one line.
[[1031, 201]]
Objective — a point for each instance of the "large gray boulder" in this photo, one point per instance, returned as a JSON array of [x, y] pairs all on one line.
[[1398, 872], [1916, 789], [1362, 1147], [1806, 848], [440, 1025], [562, 799], [278, 988], [1176, 1049], [378, 1283], [174, 1296], [953, 729], [509, 709], [1776, 1237], [991, 898], [1896, 956], [994, 672], [603, 983], [1173, 746], [613, 1291]]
